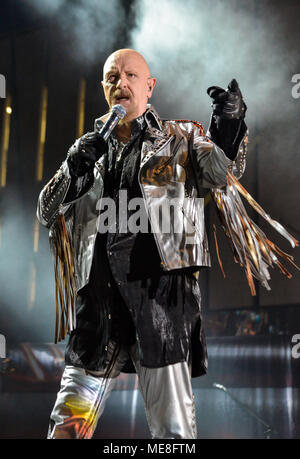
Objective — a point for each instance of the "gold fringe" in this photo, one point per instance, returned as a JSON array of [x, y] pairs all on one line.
[[251, 248], [65, 285], [217, 250]]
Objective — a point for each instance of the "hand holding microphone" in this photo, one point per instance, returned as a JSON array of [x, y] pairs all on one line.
[[91, 146]]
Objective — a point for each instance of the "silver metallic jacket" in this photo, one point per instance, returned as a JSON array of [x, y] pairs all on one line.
[[177, 161]]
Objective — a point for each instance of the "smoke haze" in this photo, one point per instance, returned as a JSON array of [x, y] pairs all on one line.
[[196, 44], [91, 25]]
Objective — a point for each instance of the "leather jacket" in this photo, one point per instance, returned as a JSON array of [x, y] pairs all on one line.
[[177, 162]]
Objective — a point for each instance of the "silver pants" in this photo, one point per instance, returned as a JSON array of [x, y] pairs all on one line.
[[167, 393]]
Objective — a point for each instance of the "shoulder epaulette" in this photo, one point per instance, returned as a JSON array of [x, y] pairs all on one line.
[[196, 123]]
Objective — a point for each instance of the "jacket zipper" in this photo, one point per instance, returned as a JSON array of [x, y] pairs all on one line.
[[194, 224], [164, 261]]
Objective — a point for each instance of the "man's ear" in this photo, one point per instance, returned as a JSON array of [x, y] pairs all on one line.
[[151, 84]]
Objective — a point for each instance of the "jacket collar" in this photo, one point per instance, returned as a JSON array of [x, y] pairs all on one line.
[[156, 134], [150, 116]]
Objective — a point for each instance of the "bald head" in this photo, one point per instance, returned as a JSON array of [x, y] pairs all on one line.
[[127, 81], [129, 54]]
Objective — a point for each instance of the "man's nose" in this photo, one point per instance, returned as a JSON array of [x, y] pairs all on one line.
[[122, 82]]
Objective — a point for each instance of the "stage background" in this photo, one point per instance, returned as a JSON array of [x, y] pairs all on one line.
[[51, 54]]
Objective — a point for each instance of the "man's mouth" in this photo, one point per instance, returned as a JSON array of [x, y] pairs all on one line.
[[121, 99]]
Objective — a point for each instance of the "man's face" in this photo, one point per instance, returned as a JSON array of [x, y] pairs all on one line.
[[127, 81]]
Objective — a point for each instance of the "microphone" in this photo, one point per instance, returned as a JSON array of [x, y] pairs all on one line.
[[116, 114]]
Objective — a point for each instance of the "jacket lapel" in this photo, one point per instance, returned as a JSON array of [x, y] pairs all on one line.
[[155, 140]]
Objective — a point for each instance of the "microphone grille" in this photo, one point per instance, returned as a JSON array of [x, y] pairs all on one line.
[[119, 110]]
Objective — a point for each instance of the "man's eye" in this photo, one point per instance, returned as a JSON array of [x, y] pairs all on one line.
[[111, 78], [131, 75]]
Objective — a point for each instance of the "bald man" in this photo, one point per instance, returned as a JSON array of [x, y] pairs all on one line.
[[138, 303], [127, 81]]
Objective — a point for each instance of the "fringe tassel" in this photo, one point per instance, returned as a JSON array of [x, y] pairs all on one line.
[[217, 250], [65, 286], [251, 248]]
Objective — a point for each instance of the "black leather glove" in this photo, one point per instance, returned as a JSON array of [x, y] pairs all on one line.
[[84, 153], [227, 127], [229, 103]]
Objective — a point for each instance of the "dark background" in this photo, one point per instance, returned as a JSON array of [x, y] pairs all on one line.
[[190, 46]]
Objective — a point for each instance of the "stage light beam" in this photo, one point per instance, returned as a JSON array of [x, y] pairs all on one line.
[[42, 134], [81, 107], [5, 139]]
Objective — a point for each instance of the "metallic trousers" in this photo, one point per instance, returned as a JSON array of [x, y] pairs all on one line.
[[167, 393]]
